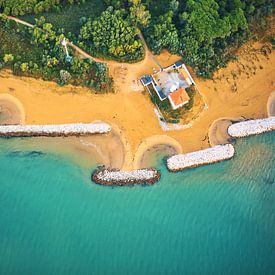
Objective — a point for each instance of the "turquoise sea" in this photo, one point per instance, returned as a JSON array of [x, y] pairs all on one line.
[[216, 219]]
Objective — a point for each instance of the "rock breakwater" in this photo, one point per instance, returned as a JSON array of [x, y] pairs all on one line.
[[122, 178], [54, 130], [211, 155], [251, 127]]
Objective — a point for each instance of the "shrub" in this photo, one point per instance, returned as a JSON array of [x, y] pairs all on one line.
[[8, 58]]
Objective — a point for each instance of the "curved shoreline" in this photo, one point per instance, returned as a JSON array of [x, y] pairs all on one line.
[[151, 142], [218, 133], [12, 110]]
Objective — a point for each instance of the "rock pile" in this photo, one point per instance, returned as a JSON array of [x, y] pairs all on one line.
[[54, 130], [211, 155], [252, 127], [121, 178]]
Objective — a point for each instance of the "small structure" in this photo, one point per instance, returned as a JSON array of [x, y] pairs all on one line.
[[178, 98], [146, 80], [68, 58], [171, 83]]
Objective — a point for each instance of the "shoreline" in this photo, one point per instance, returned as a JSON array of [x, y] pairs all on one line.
[[271, 104], [149, 143], [221, 128], [132, 113], [218, 133], [11, 110]]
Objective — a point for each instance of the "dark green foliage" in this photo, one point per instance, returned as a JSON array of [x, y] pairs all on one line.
[[112, 36], [162, 33], [46, 57], [70, 18], [191, 93], [21, 7], [204, 31]]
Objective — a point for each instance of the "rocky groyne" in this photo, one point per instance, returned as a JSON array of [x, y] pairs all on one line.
[[54, 130], [211, 155], [251, 127], [123, 178]]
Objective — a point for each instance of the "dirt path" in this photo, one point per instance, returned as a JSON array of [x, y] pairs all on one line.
[[126, 75], [87, 55]]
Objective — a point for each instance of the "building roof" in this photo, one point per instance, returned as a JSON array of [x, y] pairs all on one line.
[[179, 63], [161, 95], [170, 81], [179, 98], [146, 80]]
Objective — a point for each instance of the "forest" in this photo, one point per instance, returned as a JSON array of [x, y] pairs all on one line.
[[38, 53], [203, 32]]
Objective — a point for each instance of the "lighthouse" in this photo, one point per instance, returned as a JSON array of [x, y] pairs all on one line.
[[68, 58]]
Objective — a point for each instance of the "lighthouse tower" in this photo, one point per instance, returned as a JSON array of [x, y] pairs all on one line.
[[68, 57]]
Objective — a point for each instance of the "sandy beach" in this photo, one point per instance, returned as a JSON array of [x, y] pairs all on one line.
[[241, 89], [150, 147], [271, 104], [218, 130], [11, 110]]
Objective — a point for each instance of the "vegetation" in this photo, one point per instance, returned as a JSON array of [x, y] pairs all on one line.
[[204, 32], [21, 7], [112, 36], [38, 52], [175, 116], [70, 17]]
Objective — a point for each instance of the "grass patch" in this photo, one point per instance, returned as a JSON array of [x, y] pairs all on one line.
[[68, 18]]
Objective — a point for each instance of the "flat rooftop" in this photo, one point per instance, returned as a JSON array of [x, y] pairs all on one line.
[[170, 81], [179, 98]]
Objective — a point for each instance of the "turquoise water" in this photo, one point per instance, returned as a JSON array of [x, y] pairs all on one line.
[[217, 219]]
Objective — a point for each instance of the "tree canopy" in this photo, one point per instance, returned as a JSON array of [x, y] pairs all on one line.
[[21, 7], [112, 36], [202, 31]]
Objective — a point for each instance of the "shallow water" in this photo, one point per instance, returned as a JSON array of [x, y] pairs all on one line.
[[216, 219]]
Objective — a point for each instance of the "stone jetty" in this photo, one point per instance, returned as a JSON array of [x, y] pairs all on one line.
[[252, 127], [211, 155], [54, 130], [122, 178]]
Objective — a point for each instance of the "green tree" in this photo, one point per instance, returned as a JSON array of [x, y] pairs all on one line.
[[112, 36], [139, 16], [162, 33], [8, 58]]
